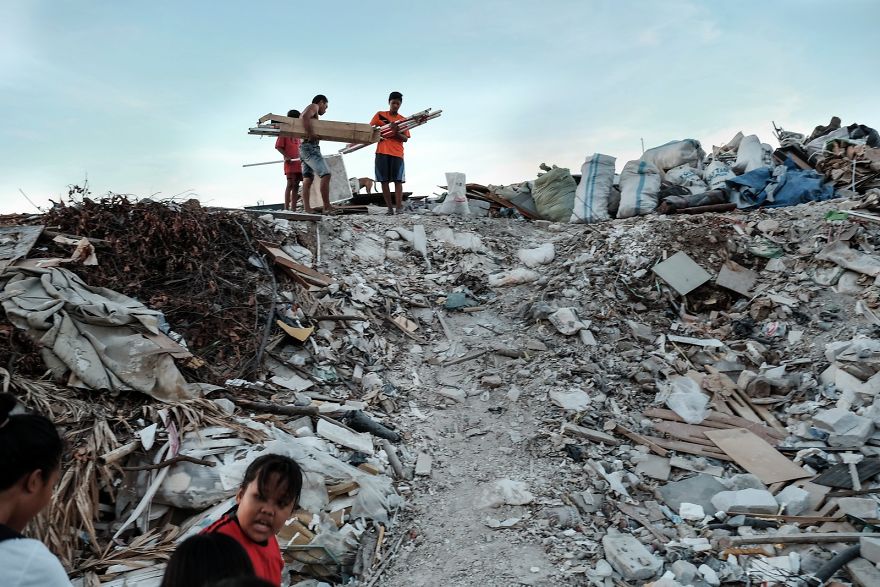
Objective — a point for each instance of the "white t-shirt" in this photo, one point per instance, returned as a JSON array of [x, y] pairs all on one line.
[[25, 562]]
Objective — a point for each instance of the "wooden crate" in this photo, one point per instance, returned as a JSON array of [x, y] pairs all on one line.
[[327, 130]]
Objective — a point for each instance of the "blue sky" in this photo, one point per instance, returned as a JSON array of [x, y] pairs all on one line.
[[156, 97]]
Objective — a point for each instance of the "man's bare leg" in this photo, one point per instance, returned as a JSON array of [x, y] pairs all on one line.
[[398, 195], [386, 195], [325, 194], [295, 198], [307, 189], [288, 196]]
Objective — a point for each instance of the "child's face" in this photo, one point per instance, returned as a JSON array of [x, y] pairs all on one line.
[[262, 516], [393, 106]]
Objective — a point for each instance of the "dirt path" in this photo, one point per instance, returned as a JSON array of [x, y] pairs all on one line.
[[473, 444]]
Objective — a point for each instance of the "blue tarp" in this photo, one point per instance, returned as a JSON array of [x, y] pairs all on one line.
[[785, 185]]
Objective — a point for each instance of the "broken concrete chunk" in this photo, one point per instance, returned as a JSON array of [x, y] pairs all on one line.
[[860, 507], [746, 501], [698, 489], [629, 557], [641, 331], [691, 511], [870, 549], [846, 429], [682, 273], [423, 464], [685, 572], [794, 499], [863, 573], [566, 321], [575, 401], [653, 466]]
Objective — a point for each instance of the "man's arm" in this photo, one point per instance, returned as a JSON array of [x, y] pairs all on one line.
[[306, 117]]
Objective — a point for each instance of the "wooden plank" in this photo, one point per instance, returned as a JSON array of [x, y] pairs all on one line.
[[651, 443], [327, 130], [589, 434], [689, 448], [755, 455], [284, 260], [686, 432], [762, 412], [717, 420]]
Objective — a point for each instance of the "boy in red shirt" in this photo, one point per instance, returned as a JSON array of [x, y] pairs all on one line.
[[389, 153], [289, 149], [267, 497]]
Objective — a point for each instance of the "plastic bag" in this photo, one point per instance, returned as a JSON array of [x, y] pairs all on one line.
[[542, 255], [639, 184], [456, 201], [593, 192], [554, 194], [687, 400]]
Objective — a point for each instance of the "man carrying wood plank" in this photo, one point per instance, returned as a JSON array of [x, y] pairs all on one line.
[[389, 153], [310, 153], [289, 149]]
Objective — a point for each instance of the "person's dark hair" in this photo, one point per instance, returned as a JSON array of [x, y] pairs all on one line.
[[28, 442], [293, 113], [395, 96], [242, 582], [290, 478], [204, 559], [319, 98]]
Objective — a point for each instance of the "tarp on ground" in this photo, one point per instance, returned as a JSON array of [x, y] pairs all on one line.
[[784, 185], [95, 337]]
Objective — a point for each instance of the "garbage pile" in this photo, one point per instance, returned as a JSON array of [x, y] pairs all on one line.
[[680, 177], [173, 347], [703, 387]]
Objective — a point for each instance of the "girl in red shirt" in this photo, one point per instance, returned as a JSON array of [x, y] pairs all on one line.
[[266, 499]]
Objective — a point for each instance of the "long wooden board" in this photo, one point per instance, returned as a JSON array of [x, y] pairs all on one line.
[[755, 455], [327, 130]]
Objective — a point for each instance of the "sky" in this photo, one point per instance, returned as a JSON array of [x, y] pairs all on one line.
[[155, 98]]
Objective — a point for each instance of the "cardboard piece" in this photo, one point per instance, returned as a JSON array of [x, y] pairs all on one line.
[[756, 455], [300, 334], [681, 273]]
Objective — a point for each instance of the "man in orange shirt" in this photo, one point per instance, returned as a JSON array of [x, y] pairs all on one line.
[[289, 149], [389, 153]]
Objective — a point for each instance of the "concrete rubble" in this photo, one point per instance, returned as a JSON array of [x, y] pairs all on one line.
[[558, 397]]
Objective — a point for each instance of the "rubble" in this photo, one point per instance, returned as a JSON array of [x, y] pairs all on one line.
[[676, 399]]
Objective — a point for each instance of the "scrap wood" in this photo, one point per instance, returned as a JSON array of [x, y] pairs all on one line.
[[651, 443], [284, 214], [756, 456], [716, 420], [689, 447], [809, 520], [589, 434], [171, 461], [686, 432], [805, 538], [283, 259], [273, 408], [377, 574]]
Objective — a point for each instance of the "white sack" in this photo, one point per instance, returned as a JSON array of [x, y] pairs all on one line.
[[639, 184], [749, 156], [593, 191], [456, 201], [675, 153]]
